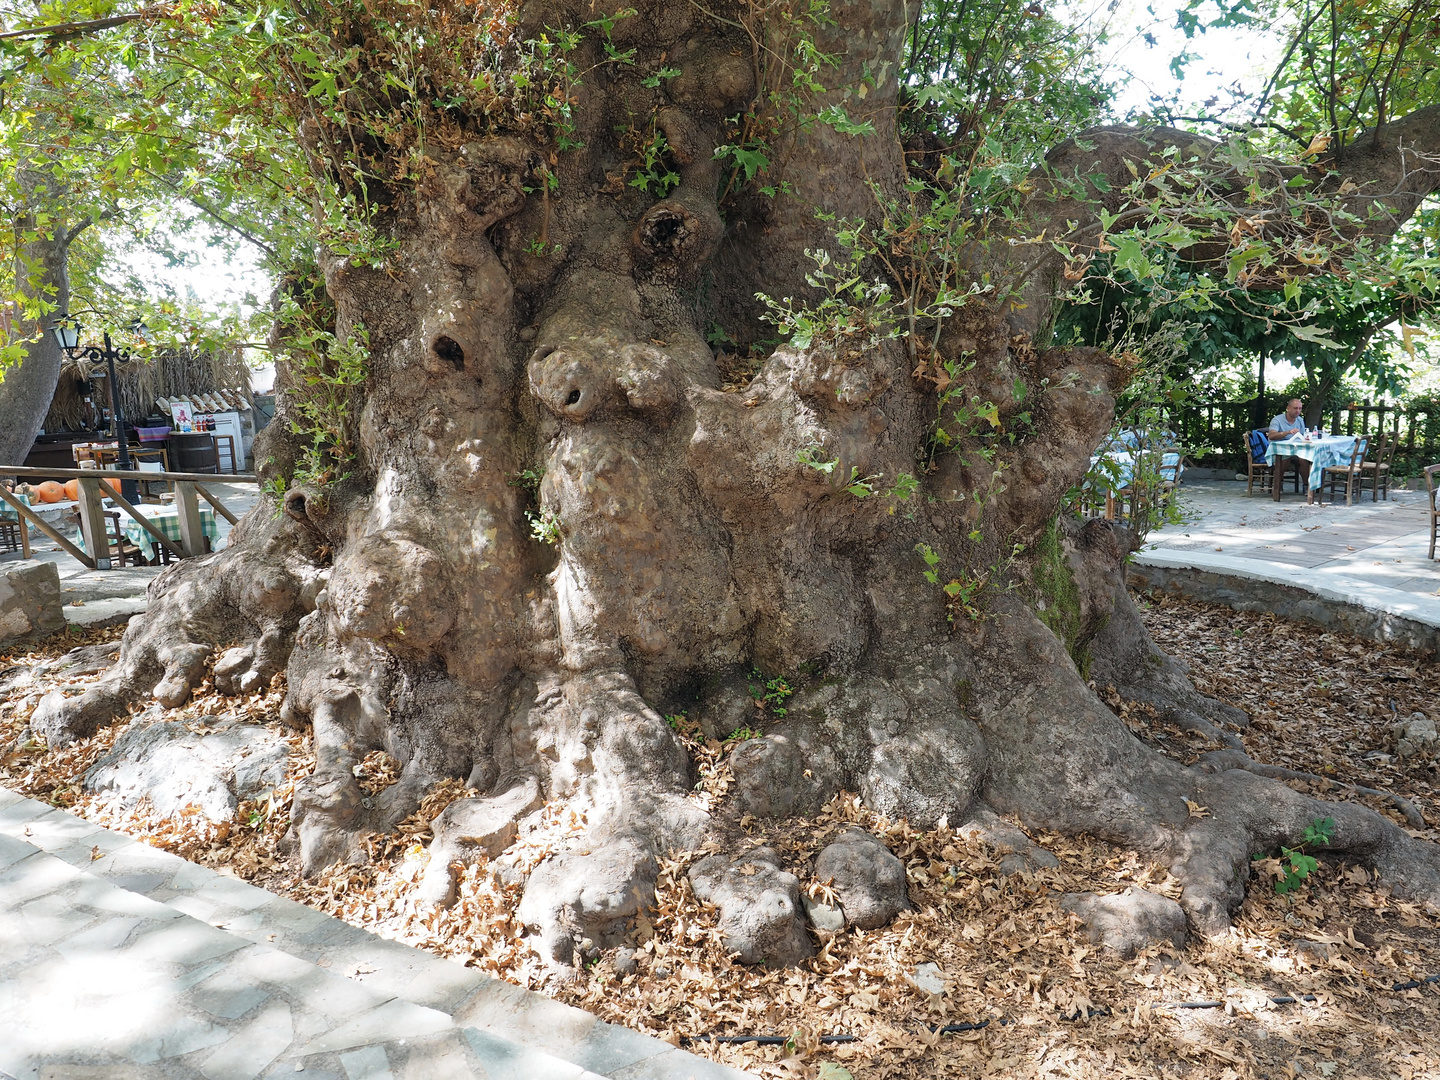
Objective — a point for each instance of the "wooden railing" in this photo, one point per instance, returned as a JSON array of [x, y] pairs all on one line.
[[96, 485]]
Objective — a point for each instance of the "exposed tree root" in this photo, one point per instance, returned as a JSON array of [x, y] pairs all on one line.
[[254, 592], [1218, 760]]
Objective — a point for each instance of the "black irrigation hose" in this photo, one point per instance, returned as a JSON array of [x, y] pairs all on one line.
[[955, 1029], [1413, 983], [781, 1040]]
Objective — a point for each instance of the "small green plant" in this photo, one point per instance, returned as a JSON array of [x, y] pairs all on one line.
[[544, 526], [275, 488], [260, 811], [655, 174], [862, 487], [689, 731], [855, 306], [1295, 864], [740, 734], [965, 594], [962, 594], [328, 373], [770, 694], [529, 479], [653, 81], [932, 560]]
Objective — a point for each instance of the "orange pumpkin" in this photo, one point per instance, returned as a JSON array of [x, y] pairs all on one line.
[[51, 492], [72, 489]]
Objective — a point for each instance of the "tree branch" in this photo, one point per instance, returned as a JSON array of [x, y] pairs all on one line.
[[210, 212], [88, 26]]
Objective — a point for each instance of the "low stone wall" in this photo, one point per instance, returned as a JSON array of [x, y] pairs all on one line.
[[29, 600], [1355, 608]]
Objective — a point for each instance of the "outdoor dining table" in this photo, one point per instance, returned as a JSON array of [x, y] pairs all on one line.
[[167, 520], [1112, 471], [1325, 452], [1118, 467]]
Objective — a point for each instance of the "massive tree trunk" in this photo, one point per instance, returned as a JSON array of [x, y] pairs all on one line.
[[540, 317], [27, 387]]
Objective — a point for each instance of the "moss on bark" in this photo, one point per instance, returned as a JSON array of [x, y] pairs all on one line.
[[1056, 597]]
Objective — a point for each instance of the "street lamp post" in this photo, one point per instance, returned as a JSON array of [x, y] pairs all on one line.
[[67, 335]]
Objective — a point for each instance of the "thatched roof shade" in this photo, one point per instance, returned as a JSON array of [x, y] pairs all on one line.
[[168, 373]]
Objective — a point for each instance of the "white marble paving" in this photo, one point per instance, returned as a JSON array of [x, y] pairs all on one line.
[[123, 966]]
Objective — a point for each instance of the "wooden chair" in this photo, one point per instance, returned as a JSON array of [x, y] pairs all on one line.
[[1348, 475], [1377, 473], [164, 556], [151, 467], [1170, 475], [10, 534], [121, 544], [229, 449], [1432, 485], [1256, 468]]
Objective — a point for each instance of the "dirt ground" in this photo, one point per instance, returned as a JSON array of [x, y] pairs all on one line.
[[1050, 1002]]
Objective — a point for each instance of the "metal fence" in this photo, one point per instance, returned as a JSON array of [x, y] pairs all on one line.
[[1213, 432]]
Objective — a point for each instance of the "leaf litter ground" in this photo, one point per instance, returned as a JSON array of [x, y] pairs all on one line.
[[1321, 704]]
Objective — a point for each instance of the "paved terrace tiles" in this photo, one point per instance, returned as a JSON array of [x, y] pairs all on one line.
[[1380, 543], [1360, 570], [119, 961]]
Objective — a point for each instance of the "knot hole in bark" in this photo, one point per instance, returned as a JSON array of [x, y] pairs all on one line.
[[663, 232], [306, 508], [449, 350], [675, 238]]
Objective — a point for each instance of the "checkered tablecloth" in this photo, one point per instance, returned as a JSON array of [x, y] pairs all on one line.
[[1329, 452], [167, 520], [8, 512], [1114, 469]]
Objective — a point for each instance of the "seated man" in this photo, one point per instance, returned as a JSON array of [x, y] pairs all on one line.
[[1288, 425]]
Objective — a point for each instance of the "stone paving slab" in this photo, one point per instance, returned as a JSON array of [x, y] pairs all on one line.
[[1381, 543], [119, 960], [159, 989], [1361, 570]]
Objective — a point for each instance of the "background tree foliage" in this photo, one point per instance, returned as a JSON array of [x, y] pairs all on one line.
[[182, 118]]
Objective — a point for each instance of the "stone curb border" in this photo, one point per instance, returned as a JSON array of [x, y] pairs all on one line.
[[492, 1014], [1331, 601]]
